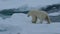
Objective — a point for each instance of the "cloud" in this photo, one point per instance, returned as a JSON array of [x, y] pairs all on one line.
[[31, 3]]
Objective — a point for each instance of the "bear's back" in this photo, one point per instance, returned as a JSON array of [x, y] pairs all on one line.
[[38, 12]]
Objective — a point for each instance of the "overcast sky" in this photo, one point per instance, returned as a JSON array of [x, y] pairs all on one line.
[[5, 4]]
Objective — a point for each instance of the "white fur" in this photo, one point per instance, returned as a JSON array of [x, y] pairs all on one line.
[[42, 15]]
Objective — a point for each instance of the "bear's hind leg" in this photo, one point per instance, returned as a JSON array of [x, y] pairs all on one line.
[[48, 19]]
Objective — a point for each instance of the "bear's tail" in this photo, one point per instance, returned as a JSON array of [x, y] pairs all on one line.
[[48, 19]]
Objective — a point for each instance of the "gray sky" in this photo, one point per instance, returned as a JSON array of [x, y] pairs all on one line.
[[5, 4]]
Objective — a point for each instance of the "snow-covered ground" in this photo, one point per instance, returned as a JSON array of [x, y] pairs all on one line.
[[21, 24], [54, 14]]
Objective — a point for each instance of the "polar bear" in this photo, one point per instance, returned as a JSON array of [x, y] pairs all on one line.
[[41, 15]]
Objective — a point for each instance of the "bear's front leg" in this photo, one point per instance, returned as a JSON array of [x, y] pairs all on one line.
[[34, 19]]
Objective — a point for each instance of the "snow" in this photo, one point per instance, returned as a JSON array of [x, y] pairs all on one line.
[[21, 24], [54, 14]]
